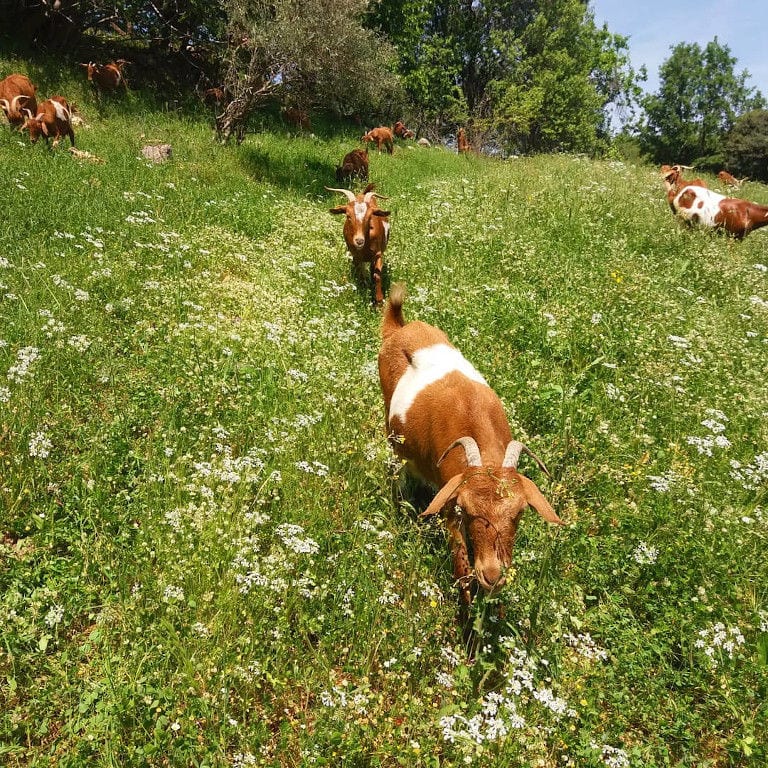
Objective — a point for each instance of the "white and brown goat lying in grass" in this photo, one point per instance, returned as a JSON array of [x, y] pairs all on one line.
[[366, 232], [450, 426], [698, 205]]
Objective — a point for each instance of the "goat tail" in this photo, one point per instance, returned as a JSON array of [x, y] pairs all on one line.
[[393, 313]]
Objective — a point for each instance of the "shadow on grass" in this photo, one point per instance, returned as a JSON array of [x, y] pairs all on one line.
[[302, 172]]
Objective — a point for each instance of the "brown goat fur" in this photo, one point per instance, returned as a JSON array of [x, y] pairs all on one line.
[[462, 144], [437, 404], [354, 165], [366, 233], [696, 204], [730, 180], [298, 118], [399, 130], [106, 77], [53, 118], [17, 92], [382, 136]]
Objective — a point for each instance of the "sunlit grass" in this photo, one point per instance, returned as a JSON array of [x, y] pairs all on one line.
[[207, 559]]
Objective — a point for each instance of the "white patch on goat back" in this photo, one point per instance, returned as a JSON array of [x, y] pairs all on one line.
[[61, 111], [703, 209], [428, 365], [360, 209]]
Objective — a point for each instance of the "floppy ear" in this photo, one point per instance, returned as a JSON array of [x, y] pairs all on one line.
[[444, 495], [338, 209], [377, 212], [535, 499]]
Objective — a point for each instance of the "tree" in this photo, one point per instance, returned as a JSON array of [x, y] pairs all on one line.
[[557, 79], [746, 146], [538, 73], [308, 52], [174, 25], [699, 98], [429, 59]]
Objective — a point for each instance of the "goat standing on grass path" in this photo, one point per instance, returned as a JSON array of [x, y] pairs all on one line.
[[450, 426], [366, 232]]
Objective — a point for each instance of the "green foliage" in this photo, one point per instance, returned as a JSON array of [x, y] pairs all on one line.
[[304, 51], [207, 557], [699, 98], [561, 74], [746, 146], [537, 76]]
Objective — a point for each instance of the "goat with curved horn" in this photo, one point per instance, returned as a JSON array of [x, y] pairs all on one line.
[[435, 401], [471, 451], [366, 232]]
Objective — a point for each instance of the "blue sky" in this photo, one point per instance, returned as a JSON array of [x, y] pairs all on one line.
[[655, 26]]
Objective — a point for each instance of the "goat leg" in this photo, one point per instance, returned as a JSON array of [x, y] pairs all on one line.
[[376, 267]]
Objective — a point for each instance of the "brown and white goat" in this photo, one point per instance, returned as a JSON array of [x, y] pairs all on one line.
[[53, 118], [399, 130], [16, 92], [366, 232], [354, 165], [382, 136], [696, 204], [106, 77], [729, 180], [450, 426], [674, 175]]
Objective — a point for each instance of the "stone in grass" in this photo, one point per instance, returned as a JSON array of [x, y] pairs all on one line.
[[157, 153]]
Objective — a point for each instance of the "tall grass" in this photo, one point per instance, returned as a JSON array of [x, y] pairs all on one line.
[[207, 557]]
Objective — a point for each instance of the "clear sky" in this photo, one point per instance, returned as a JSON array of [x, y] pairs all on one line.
[[655, 26]]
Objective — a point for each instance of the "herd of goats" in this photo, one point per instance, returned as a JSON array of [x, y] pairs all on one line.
[[442, 418]]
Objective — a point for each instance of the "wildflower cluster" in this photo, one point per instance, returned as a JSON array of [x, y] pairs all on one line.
[[719, 641], [500, 711], [716, 424]]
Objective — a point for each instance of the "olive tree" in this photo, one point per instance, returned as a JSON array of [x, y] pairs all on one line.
[[309, 53]]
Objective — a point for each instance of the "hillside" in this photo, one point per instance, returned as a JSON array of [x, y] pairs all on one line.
[[207, 556]]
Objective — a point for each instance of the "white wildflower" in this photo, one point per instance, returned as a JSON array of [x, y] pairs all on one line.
[[40, 445]]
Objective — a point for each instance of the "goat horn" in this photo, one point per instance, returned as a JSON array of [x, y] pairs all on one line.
[[512, 456], [350, 195], [4, 104], [470, 449], [369, 195]]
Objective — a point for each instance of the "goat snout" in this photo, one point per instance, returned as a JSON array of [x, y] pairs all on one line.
[[490, 576], [359, 241]]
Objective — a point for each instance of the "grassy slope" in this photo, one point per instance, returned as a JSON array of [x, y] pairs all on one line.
[[205, 376]]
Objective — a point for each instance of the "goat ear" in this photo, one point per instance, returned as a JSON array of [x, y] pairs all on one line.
[[448, 492], [535, 499], [338, 209], [377, 212]]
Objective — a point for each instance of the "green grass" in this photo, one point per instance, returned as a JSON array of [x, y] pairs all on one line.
[[206, 557]]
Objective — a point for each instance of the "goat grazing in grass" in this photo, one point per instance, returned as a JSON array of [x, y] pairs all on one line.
[[53, 118], [16, 93], [450, 426]]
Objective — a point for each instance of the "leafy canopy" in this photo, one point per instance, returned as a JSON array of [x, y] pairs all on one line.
[[699, 98]]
